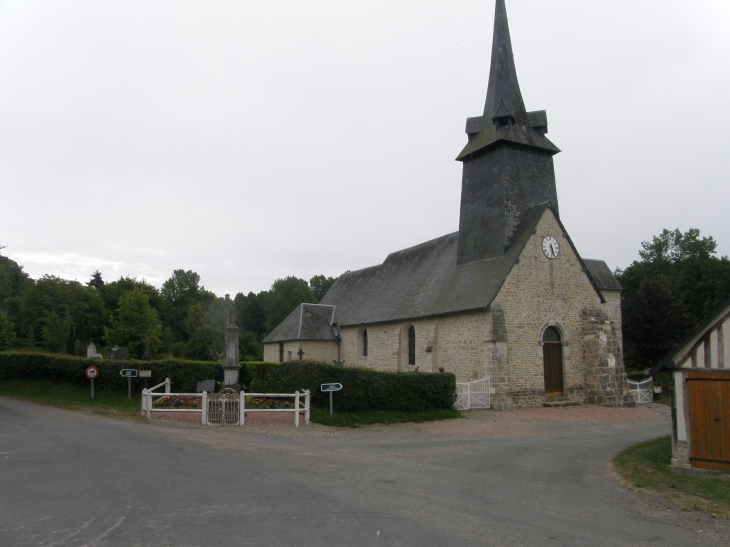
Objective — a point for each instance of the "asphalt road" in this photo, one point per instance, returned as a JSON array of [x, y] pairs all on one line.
[[79, 480]]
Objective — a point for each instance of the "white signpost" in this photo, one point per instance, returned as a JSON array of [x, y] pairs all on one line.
[[128, 373], [331, 388], [145, 374]]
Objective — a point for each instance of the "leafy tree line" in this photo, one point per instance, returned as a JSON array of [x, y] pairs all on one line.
[[181, 318], [677, 282]]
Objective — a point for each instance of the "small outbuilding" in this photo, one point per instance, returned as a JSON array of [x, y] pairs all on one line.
[[700, 366]]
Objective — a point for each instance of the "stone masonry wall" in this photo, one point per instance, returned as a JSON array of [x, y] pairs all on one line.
[[538, 293], [455, 343], [325, 352], [606, 379]]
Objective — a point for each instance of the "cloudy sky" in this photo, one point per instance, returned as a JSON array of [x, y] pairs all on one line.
[[249, 141]]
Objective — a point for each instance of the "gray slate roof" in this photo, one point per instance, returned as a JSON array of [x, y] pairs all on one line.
[[425, 281], [306, 322], [602, 275]]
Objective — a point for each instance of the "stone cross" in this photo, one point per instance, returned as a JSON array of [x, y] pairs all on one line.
[[146, 355]]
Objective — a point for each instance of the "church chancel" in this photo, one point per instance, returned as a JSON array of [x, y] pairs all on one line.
[[506, 297]]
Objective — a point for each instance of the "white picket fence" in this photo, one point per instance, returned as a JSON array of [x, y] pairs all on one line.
[[299, 399], [226, 408], [642, 392], [474, 395]]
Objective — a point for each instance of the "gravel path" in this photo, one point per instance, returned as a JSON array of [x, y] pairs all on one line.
[[478, 424]]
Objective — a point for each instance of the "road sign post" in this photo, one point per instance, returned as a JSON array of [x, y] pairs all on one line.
[[331, 388], [91, 373], [128, 373]]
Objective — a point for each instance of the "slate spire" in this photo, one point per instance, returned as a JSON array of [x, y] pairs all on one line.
[[505, 117], [507, 163]]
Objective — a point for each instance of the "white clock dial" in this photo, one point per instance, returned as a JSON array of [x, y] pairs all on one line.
[[550, 247]]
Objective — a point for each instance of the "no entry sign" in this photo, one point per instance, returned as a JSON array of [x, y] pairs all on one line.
[[91, 373]]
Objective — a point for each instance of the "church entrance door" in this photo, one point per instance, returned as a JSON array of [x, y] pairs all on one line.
[[552, 357]]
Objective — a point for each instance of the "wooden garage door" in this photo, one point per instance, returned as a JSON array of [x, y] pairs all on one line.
[[709, 407]]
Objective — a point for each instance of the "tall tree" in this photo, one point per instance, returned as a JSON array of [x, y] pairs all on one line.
[[135, 320], [683, 280], [7, 333], [655, 319], [13, 281], [250, 313], [320, 285], [81, 306], [186, 305], [285, 295], [56, 332]]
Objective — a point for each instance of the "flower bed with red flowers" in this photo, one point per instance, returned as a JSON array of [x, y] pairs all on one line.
[[269, 403], [181, 402]]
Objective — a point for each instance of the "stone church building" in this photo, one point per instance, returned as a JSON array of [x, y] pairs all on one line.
[[508, 296]]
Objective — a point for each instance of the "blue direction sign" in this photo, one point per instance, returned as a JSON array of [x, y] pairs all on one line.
[[331, 387], [128, 372]]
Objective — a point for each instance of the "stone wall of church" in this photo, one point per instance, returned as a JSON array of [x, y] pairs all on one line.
[[454, 343], [313, 350], [538, 293]]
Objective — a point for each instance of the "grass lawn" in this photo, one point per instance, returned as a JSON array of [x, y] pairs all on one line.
[[646, 465], [74, 397], [355, 419]]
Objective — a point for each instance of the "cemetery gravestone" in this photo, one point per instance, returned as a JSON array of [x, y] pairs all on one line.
[[120, 354], [205, 385], [91, 352]]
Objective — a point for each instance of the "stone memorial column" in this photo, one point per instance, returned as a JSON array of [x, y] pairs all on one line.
[[231, 369]]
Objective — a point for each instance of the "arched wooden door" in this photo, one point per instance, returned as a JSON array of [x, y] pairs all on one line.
[[552, 358]]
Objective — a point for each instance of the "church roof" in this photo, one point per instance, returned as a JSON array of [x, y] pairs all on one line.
[[425, 281], [602, 275], [504, 99], [306, 322]]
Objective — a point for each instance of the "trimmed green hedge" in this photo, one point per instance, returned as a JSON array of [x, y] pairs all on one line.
[[363, 389], [57, 368]]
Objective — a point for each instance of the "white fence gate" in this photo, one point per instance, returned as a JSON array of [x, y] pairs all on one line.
[[222, 408], [474, 395], [642, 392]]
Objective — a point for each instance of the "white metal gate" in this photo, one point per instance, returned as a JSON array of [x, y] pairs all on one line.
[[223, 408], [473, 395], [642, 392]]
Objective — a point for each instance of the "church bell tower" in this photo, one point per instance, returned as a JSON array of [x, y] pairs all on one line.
[[508, 161]]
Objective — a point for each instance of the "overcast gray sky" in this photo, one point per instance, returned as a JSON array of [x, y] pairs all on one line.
[[249, 141]]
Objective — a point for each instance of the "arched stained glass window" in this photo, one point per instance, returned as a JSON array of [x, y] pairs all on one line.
[[411, 346]]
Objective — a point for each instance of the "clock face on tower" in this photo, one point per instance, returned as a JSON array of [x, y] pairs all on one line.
[[550, 247]]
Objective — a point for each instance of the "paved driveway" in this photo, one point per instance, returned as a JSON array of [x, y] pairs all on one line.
[[78, 480]]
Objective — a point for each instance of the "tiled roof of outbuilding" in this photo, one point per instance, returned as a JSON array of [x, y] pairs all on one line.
[[602, 275], [306, 322]]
